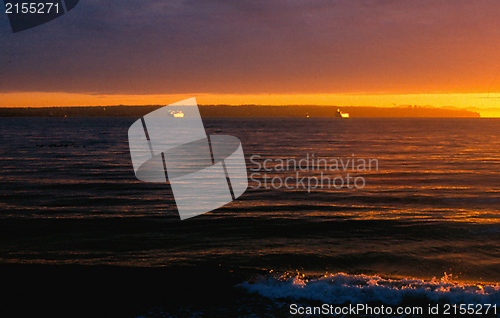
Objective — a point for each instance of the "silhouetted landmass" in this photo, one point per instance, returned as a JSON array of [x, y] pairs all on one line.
[[242, 111], [329, 111]]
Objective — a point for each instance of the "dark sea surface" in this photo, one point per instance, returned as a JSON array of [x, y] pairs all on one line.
[[425, 226]]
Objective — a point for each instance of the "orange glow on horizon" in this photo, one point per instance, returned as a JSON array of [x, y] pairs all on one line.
[[488, 104]]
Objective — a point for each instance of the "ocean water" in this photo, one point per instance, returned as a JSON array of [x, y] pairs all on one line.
[[422, 223]]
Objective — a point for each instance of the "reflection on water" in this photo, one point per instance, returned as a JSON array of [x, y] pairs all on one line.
[[433, 201]]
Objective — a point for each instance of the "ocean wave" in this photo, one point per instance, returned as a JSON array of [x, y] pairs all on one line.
[[343, 288]]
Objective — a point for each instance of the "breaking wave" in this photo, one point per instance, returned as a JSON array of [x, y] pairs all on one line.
[[342, 288]]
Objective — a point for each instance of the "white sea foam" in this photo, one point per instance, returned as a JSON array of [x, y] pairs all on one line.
[[342, 288]]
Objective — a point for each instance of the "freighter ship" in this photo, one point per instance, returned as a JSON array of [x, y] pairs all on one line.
[[177, 113], [341, 114]]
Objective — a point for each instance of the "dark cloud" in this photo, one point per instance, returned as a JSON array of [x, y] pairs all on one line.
[[225, 46]]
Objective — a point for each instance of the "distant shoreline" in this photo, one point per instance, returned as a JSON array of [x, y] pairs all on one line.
[[243, 111]]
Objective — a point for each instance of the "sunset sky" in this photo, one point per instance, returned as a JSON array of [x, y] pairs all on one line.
[[373, 53]]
